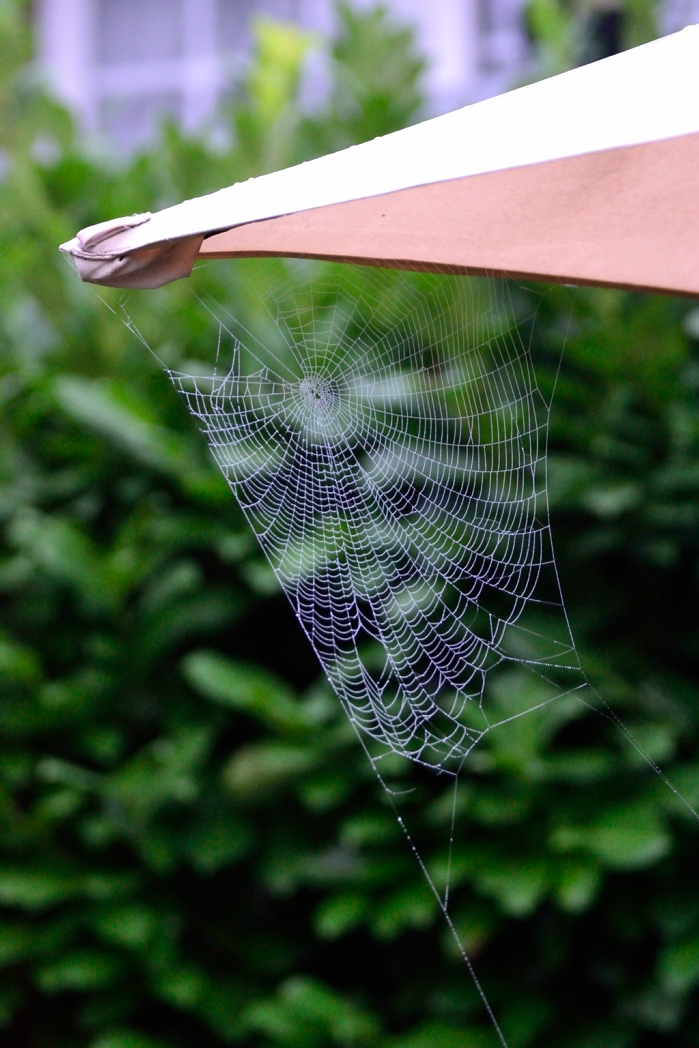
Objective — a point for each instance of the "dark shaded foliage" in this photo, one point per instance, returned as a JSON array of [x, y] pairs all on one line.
[[195, 850]]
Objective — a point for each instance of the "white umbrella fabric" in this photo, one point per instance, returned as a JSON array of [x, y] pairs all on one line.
[[589, 177]]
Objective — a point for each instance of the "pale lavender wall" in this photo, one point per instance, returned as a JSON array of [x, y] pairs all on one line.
[[120, 64]]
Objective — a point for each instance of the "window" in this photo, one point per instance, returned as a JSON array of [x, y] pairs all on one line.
[[138, 30]]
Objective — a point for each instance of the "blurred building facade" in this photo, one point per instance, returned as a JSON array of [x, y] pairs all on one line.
[[122, 64]]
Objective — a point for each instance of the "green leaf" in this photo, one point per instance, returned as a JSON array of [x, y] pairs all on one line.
[[258, 769], [244, 687], [369, 829], [129, 1039], [519, 886], [305, 1009], [439, 1035], [181, 986], [613, 500], [17, 941], [626, 837], [29, 889], [163, 773], [340, 914], [378, 71], [414, 906], [79, 970], [63, 773], [679, 966], [18, 663], [111, 410], [274, 76], [577, 886], [130, 925], [60, 548], [220, 838]]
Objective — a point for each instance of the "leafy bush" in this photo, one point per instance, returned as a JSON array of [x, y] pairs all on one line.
[[195, 850]]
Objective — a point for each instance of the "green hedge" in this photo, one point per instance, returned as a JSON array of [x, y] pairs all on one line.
[[195, 849]]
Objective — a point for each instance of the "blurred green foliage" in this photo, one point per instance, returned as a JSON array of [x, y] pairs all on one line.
[[567, 33], [195, 849]]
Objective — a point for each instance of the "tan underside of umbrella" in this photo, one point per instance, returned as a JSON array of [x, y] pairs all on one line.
[[625, 217]]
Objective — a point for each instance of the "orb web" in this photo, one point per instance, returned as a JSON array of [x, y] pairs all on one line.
[[385, 437]]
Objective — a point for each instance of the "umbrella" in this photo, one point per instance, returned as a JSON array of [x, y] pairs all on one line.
[[589, 177]]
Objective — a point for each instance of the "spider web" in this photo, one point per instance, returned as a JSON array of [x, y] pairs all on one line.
[[385, 437]]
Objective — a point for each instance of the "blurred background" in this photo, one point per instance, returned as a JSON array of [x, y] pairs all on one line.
[[120, 65], [195, 851]]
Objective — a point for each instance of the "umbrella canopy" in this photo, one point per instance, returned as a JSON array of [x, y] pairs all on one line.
[[589, 177]]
